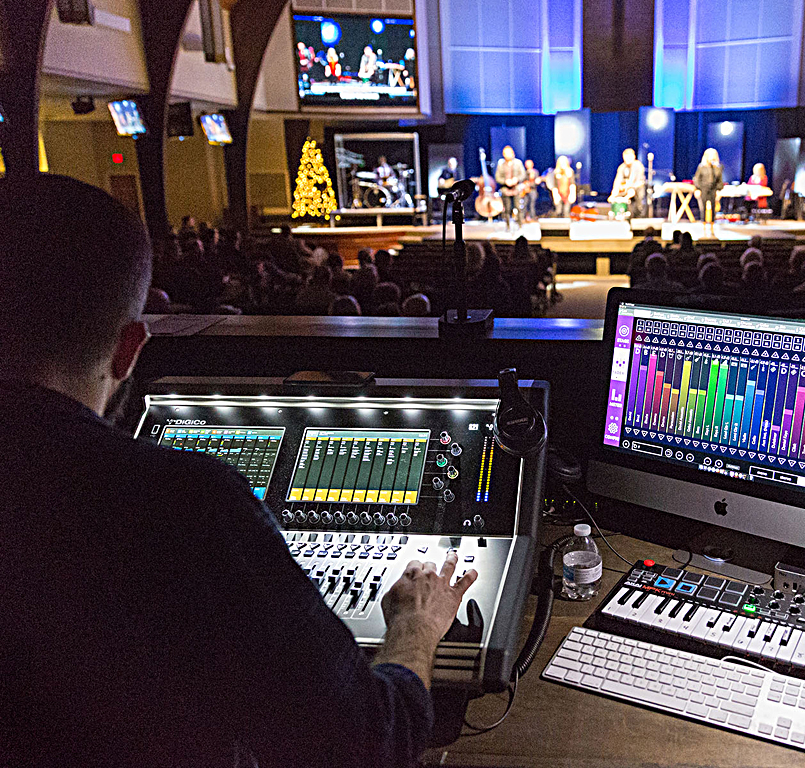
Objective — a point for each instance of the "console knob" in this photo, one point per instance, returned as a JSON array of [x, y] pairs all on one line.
[[339, 518], [392, 519], [444, 438], [405, 519], [287, 516], [778, 595], [452, 472], [326, 518], [438, 483], [365, 518], [441, 460], [352, 518], [301, 517], [479, 521], [378, 518], [448, 496], [774, 605], [752, 600], [758, 591], [795, 609], [799, 599], [313, 517], [455, 449]]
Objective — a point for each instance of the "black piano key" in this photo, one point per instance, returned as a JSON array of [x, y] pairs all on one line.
[[662, 606], [752, 632], [677, 608], [623, 600], [691, 613], [769, 633], [640, 600], [786, 636], [712, 622]]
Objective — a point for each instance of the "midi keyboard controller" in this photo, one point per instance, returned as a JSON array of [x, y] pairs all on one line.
[[362, 482]]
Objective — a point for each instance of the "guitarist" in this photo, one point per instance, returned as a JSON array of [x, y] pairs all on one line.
[[532, 181], [509, 175]]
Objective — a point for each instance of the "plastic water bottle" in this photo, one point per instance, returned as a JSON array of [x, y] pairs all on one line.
[[581, 566]]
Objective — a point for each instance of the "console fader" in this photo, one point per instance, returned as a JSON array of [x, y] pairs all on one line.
[[364, 482]]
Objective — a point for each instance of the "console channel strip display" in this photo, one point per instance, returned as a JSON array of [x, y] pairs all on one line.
[[252, 451], [364, 466], [720, 392]]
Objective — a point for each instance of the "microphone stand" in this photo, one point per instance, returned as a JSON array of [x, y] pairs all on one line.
[[461, 322]]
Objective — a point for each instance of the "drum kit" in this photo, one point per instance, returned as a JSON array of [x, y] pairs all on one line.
[[393, 192]]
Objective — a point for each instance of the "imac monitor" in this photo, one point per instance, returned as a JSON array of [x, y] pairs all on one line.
[[703, 413], [355, 60], [126, 116], [215, 129]]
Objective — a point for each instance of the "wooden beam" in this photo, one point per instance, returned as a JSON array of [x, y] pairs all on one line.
[[162, 25], [252, 22], [23, 26]]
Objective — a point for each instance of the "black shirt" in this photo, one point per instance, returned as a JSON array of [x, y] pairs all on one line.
[[153, 616]]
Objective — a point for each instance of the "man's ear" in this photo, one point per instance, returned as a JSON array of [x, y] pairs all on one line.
[[132, 339]]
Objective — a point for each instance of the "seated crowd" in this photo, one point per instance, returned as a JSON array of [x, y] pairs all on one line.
[[680, 267], [198, 269]]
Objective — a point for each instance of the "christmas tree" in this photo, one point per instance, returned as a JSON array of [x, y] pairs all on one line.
[[314, 194]]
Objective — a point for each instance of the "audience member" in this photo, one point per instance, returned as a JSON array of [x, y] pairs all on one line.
[[489, 290], [706, 258], [786, 282], [315, 298], [749, 255], [753, 279], [365, 279], [417, 305], [656, 279], [522, 250], [643, 250], [711, 280], [386, 294], [475, 259], [383, 263], [345, 306]]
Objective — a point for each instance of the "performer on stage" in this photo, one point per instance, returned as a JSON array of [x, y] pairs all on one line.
[[630, 183], [760, 178], [709, 181], [368, 66], [562, 183], [509, 175], [384, 173], [532, 181], [333, 67], [449, 175]]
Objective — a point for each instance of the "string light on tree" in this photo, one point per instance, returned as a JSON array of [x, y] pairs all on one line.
[[314, 194]]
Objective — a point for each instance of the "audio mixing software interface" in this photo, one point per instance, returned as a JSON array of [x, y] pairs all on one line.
[[720, 392]]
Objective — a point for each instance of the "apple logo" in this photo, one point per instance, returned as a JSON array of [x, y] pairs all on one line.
[[720, 507]]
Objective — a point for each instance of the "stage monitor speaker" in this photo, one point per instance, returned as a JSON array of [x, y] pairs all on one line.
[[212, 31], [75, 11]]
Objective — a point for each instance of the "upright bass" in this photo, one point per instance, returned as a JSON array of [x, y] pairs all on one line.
[[488, 203]]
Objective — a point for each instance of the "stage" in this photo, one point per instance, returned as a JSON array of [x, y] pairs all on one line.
[[594, 247]]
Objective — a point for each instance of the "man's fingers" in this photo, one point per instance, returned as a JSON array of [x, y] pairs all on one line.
[[449, 566], [429, 566], [466, 581], [412, 568]]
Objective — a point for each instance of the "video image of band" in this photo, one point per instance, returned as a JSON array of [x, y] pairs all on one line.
[[366, 466], [253, 452], [735, 393]]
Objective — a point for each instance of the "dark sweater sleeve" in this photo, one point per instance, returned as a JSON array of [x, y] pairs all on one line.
[[308, 693]]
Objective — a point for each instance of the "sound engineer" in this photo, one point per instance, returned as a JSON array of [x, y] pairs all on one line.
[[152, 614]]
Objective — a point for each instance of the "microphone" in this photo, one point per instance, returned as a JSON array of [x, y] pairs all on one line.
[[460, 191]]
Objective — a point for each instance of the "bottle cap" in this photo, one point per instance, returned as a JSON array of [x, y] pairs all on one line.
[[582, 529]]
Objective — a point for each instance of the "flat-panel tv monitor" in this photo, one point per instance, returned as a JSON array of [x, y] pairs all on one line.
[[353, 60], [127, 118], [180, 120], [215, 129], [703, 412]]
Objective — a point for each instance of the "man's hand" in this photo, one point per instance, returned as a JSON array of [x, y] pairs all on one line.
[[419, 609]]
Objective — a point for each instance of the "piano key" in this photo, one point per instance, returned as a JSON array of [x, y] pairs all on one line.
[[745, 636], [773, 645], [621, 610], [662, 619], [707, 622], [700, 616], [676, 622], [798, 657], [694, 607], [787, 650], [645, 603], [681, 605], [662, 605], [716, 628], [731, 635], [757, 642], [610, 607]]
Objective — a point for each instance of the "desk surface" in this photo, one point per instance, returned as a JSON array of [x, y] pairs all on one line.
[[554, 726]]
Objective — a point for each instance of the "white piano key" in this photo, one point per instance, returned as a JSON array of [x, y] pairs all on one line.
[[675, 623], [661, 620], [688, 625], [772, 646], [713, 635], [730, 636], [621, 611], [785, 644], [649, 604], [798, 657], [741, 644], [610, 608], [756, 644], [701, 629]]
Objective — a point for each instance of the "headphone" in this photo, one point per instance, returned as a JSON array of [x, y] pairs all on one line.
[[519, 428]]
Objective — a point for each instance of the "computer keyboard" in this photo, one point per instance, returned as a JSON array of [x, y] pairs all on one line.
[[727, 694]]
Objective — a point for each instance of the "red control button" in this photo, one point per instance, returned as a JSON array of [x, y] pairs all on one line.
[[648, 563]]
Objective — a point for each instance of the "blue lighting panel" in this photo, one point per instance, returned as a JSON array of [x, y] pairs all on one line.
[[656, 134], [571, 136], [728, 138], [501, 136]]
